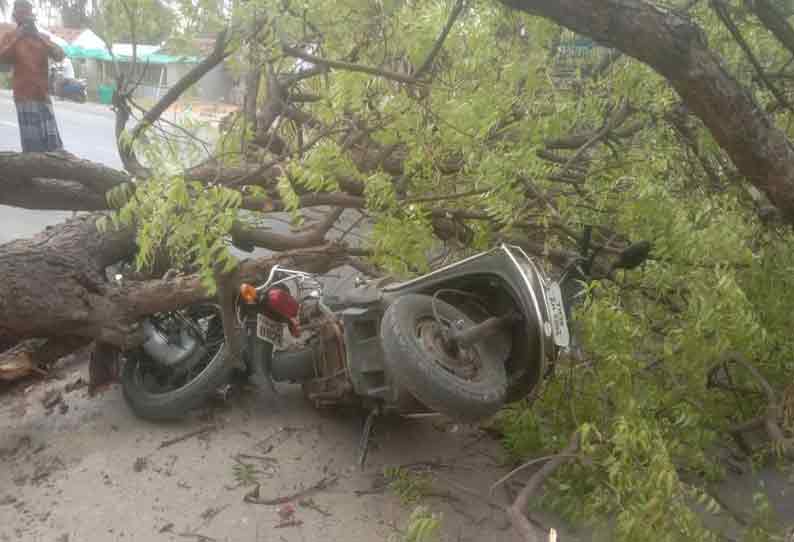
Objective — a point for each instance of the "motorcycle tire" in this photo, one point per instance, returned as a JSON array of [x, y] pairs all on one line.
[[173, 403], [176, 403], [416, 367]]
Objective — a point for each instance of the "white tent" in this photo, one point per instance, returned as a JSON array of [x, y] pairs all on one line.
[[55, 39]]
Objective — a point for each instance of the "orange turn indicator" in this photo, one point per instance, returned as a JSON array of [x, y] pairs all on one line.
[[248, 293]]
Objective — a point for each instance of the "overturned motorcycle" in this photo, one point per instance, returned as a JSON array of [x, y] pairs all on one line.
[[462, 341]]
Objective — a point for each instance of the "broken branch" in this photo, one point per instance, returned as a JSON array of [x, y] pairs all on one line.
[[517, 511]]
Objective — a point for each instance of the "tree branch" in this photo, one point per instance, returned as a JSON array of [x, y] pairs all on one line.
[[218, 55], [15, 166], [348, 66], [517, 511], [276, 241], [676, 48], [770, 421], [144, 298], [775, 21], [439, 43], [50, 194], [722, 12]]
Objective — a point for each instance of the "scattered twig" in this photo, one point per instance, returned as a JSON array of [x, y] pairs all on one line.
[[262, 458], [526, 465], [199, 537], [373, 491], [254, 498], [196, 433], [289, 523], [209, 514], [311, 505]]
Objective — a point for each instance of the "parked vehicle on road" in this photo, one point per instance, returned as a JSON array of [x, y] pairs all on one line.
[[67, 88]]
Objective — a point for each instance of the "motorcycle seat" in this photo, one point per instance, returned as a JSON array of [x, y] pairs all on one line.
[[365, 294]]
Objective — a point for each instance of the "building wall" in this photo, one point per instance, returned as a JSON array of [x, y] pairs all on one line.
[[89, 70], [215, 86]]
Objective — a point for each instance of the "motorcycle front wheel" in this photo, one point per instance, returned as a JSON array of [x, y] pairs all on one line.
[[468, 385], [157, 392]]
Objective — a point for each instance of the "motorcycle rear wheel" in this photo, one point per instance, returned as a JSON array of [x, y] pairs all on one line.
[[469, 385], [142, 380]]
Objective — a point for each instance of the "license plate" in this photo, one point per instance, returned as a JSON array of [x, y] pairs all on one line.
[[559, 326], [269, 330]]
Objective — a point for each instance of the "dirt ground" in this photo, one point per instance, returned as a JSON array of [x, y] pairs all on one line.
[[76, 468], [79, 468]]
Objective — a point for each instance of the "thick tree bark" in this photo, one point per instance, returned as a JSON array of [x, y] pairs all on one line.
[[676, 48], [54, 283], [55, 181], [56, 297]]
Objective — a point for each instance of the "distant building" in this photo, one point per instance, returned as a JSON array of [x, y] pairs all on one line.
[[153, 69], [78, 37]]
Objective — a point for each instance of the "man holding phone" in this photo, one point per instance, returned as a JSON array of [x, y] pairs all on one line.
[[28, 51]]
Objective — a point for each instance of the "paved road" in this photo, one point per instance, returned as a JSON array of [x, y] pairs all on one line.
[[87, 131]]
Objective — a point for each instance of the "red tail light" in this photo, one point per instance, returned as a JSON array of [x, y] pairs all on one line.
[[280, 301]]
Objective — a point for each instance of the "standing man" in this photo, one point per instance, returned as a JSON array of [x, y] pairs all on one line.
[[28, 51]]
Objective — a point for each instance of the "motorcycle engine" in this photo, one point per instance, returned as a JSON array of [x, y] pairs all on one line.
[[331, 385]]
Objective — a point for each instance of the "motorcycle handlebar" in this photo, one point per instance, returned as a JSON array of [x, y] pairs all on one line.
[[292, 274]]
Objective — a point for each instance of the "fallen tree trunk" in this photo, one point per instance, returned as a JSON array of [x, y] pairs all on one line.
[[56, 296], [676, 48]]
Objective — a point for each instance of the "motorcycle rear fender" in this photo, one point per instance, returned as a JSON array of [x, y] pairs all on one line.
[[517, 275]]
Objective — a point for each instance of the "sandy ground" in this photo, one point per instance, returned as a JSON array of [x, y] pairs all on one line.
[[80, 468], [85, 469]]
